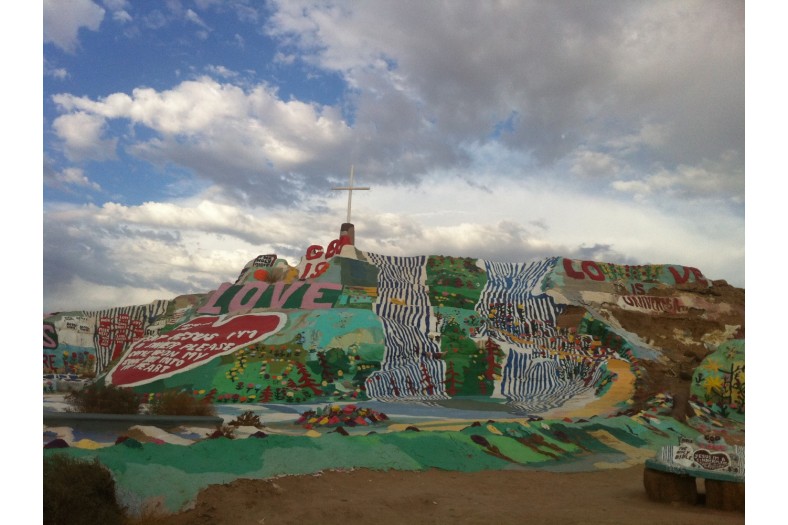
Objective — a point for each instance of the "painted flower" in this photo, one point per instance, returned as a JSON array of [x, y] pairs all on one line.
[[712, 383], [712, 364]]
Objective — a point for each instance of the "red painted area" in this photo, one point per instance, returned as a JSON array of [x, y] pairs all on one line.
[[614, 272], [334, 248], [685, 275], [191, 345], [49, 362], [588, 269], [570, 270]]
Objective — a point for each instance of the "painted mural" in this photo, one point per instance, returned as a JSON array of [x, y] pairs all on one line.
[[705, 456], [718, 383], [348, 325]]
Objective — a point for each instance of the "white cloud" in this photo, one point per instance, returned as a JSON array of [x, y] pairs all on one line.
[[233, 137], [70, 177], [60, 73], [194, 18], [707, 180], [64, 18], [82, 136], [420, 97], [94, 296], [221, 71], [641, 83], [122, 16], [593, 164]]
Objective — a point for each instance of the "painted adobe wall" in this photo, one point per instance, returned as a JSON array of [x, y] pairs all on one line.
[[351, 325]]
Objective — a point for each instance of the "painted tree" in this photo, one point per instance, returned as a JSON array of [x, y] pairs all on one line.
[[461, 352], [394, 387], [336, 360], [493, 355], [726, 388], [305, 380], [427, 383], [438, 319], [482, 385], [452, 381], [326, 372], [737, 387], [265, 395], [411, 387]]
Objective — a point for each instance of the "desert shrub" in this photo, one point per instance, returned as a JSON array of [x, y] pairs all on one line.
[[247, 419], [98, 398], [79, 492], [226, 431], [180, 404]]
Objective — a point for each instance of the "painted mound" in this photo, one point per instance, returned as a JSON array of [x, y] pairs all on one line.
[[550, 337]]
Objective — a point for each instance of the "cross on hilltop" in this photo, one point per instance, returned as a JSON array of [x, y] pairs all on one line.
[[349, 188]]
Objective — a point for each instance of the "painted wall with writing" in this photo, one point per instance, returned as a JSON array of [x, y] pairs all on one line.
[[86, 342], [640, 277], [371, 326]]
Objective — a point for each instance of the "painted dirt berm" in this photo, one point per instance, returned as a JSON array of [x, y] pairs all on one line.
[[347, 325], [574, 365], [684, 340]]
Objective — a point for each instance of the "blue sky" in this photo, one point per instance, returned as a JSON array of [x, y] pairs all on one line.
[[183, 138]]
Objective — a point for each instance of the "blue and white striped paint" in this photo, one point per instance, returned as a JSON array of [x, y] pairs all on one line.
[[410, 369], [536, 384]]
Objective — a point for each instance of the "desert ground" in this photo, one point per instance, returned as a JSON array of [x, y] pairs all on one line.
[[612, 496]]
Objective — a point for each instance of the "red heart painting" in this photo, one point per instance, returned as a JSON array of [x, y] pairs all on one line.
[[191, 345]]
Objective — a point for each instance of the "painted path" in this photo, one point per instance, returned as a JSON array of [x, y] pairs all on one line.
[[166, 469]]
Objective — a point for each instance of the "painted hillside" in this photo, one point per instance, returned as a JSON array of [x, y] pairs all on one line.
[[548, 337]]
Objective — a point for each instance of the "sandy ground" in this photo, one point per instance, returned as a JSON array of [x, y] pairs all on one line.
[[614, 496]]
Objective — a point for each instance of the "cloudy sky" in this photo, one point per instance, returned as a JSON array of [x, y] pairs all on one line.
[[183, 138]]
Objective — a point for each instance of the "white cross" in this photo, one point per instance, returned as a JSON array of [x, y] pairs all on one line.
[[350, 189]]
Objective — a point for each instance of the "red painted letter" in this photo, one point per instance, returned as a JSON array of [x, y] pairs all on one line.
[[597, 274], [314, 252], [571, 272]]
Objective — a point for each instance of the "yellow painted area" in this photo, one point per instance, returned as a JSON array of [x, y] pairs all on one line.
[[452, 424], [313, 434], [494, 430], [89, 444], [620, 391], [446, 424], [635, 455]]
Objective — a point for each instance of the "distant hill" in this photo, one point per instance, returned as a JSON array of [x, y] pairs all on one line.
[[546, 337]]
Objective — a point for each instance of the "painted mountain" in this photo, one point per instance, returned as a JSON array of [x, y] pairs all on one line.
[[555, 336]]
